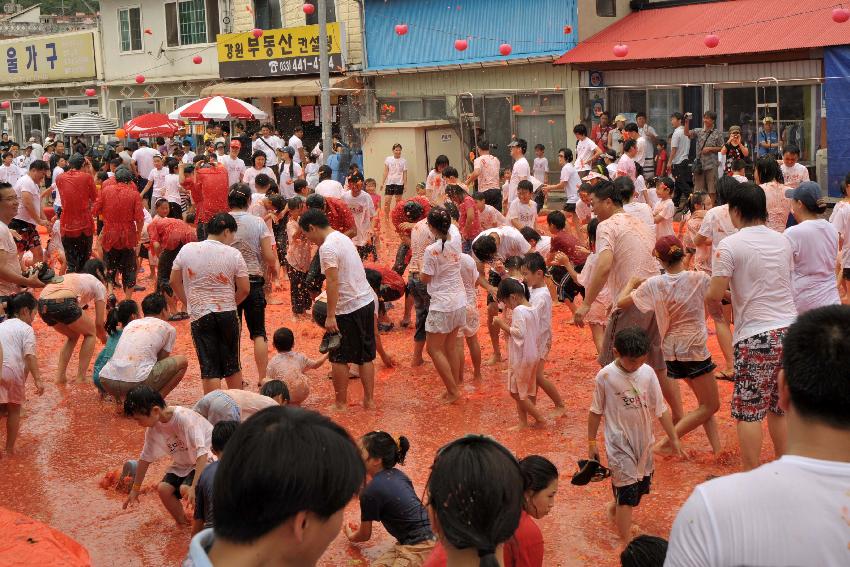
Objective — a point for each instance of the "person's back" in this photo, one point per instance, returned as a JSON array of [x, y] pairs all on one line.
[[815, 247], [209, 270], [78, 193], [252, 230], [138, 349], [212, 186], [354, 291], [631, 243]]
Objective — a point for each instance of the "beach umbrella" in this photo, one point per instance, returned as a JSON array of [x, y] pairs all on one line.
[[84, 124], [217, 108], [151, 124]]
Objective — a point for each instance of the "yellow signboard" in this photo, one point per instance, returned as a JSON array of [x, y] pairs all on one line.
[[289, 51], [47, 58]]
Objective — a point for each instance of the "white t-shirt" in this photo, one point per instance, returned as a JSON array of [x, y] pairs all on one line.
[[569, 175], [57, 173], [311, 174], [815, 247], [138, 349], [519, 172], [642, 148], [717, 225], [469, 275], [666, 209], [488, 172], [585, 148], [296, 144], [235, 168], [287, 181], [158, 177], [171, 188], [840, 219], [540, 168], [511, 242], [144, 160], [250, 233], [584, 212], [10, 174], [250, 175], [363, 209], [629, 403], [682, 145], [209, 270], [642, 212], [645, 132], [678, 301], [188, 157], [626, 167], [544, 246], [10, 253], [185, 437], [268, 147], [87, 287], [442, 263], [354, 291], [490, 217], [26, 185], [525, 213], [541, 301], [18, 340], [395, 170], [612, 170], [792, 511], [794, 175], [217, 405], [759, 262], [330, 188]]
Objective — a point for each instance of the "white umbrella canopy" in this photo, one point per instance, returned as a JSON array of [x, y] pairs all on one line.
[[217, 108], [84, 124]]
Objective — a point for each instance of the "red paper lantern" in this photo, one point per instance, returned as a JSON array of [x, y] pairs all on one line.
[[148, 31], [42, 100], [505, 49], [91, 92], [711, 41], [257, 32], [197, 59], [5, 104], [308, 8], [140, 79], [517, 108], [840, 15], [401, 29], [568, 30], [461, 44], [621, 50], [120, 133]]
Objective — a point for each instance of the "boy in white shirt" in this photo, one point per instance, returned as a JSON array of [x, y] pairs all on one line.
[[541, 164], [586, 150], [739, 170], [663, 211], [523, 211], [489, 216], [169, 430], [628, 395], [363, 208], [792, 172], [519, 172]]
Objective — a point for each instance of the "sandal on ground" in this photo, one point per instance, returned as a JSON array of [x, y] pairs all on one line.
[[727, 375]]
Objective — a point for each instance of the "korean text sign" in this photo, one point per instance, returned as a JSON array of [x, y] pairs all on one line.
[[278, 53], [47, 58]]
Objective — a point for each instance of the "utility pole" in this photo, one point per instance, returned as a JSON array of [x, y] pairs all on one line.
[[324, 79]]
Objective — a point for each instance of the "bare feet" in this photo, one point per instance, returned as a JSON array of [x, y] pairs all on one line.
[[417, 362], [494, 360], [449, 398], [274, 300], [558, 412], [541, 424], [476, 377], [61, 380], [663, 448], [338, 408], [368, 404]]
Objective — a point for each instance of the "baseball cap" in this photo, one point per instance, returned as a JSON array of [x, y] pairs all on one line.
[[735, 129], [519, 143], [667, 246], [235, 144], [767, 119], [807, 193], [620, 118], [593, 175]]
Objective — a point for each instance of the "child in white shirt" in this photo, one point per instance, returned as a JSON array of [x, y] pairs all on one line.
[[288, 366], [663, 211], [523, 211], [541, 165]]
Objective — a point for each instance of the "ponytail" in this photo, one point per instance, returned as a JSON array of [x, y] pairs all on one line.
[[382, 445], [121, 314], [19, 301], [511, 286], [441, 221]]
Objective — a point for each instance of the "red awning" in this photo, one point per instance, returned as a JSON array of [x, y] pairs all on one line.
[[745, 28]]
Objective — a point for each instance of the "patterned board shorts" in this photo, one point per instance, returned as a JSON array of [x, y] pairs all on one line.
[[758, 360]]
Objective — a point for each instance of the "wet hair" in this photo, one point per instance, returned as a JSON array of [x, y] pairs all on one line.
[[96, 268], [316, 201], [628, 145], [454, 190], [509, 287], [77, 161], [750, 201], [453, 210], [768, 170], [695, 200], [221, 222], [123, 175], [475, 492], [153, 304], [39, 165], [313, 217], [580, 129], [644, 551], [529, 234], [592, 225], [277, 201], [740, 164], [631, 342], [281, 462], [514, 262], [537, 472], [325, 172], [484, 248], [221, 434], [726, 187], [122, 313], [630, 127], [274, 388], [173, 164], [255, 156], [535, 262], [607, 190], [283, 340], [483, 144], [413, 211], [557, 219], [298, 185], [355, 177], [479, 196], [626, 187], [441, 160], [141, 400], [238, 196], [262, 180], [816, 362], [525, 185], [19, 301], [374, 279], [440, 220], [585, 188], [791, 149], [294, 203], [381, 445]]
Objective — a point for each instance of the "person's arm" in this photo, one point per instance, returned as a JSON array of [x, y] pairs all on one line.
[[141, 471], [717, 288], [14, 276], [363, 533], [687, 124], [269, 256], [197, 524], [404, 179], [32, 367], [658, 217], [470, 218], [502, 324], [243, 288], [181, 172], [379, 347], [313, 364], [100, 319], [667, 423], [30, 206], [597, 282], [593, 422], [200, 465], [147, 188], [332, 280], [386, 174], [302, 154], [626, 300], [701, 240], [176, 281], [134, 167], [672, 156], [744, 149], [425, 278]]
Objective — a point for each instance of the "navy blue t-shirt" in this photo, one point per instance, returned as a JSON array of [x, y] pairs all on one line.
[[391, 500], [204, 495]]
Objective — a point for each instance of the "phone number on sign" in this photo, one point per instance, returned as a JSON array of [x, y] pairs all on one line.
[[297, 65]]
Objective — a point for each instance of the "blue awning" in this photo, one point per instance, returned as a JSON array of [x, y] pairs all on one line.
[[532, 29]]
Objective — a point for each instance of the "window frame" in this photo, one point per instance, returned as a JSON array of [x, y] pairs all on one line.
[[209, 29], [280, 14], [331, 4], [141, 29], [613, 11]]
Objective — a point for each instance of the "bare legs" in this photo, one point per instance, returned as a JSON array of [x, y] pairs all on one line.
[[442, 350], [672, 395], [261, 358], [234, 382], [705, 390], [13, 426], [492, 311], [172, 503], [82, 327], [340, 375], [750, 439]]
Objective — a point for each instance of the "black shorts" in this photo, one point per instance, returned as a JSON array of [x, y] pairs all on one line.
[[164, 266], [494, 279], [216, 338], [357, 331], [178, 481], [143, 251], [846, 273], [689, 369], [570, 207], [394, 190], [121, 260], [253, 308], [493, 197], [630, 495], [64, 311], [29, 235], [566, 286]]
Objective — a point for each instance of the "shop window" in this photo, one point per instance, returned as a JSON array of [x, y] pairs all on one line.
[[435, 108], [191, 22], [66, 108], [267, 14], [393, 109], [330, 11], [626, 102], [663, 103], [410, 110], [129, 109], [606, 8], [130, 29]]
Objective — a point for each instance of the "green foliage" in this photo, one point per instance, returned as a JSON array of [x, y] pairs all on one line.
[[55, 6]]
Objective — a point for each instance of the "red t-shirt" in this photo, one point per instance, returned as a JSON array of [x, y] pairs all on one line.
[[398, 217], [209, 192], [121, 207], [475, 230], [567, 243], [170, 233], [339, 215], [388, 277], [78, 192], [524, 549]]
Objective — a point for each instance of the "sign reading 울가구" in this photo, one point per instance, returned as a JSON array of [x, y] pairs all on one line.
[[278, 53], [47, 58]]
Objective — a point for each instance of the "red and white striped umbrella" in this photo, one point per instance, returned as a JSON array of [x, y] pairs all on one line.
[[217, 108], [151, 124]]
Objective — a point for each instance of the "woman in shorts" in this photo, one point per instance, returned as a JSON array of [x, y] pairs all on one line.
[[61, 307]]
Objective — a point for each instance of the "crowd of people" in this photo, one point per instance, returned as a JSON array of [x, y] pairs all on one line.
[[650, 250]]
